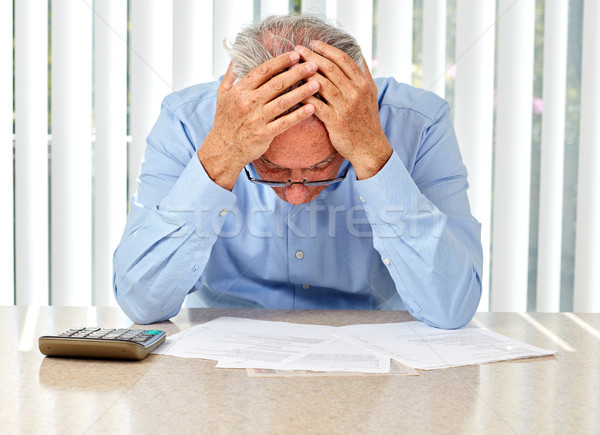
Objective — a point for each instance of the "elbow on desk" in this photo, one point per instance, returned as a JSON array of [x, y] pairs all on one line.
[[459, 312], [140, 315], [142, 312], [448, 322], [138, 301]]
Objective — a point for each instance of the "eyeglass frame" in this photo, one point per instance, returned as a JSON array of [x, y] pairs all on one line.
[[291, 183]]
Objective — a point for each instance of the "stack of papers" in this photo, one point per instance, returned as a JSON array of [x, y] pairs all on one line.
[[259, 344]]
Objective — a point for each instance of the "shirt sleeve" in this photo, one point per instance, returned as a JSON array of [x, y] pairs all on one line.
[[174, 219], [423, 228]]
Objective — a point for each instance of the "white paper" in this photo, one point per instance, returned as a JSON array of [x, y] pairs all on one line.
[[423, 347], [255, 343], [246, 343], [170, 340], [339, 356], [345, 357]]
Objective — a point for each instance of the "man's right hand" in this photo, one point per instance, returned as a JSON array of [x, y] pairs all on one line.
[[246, 119]]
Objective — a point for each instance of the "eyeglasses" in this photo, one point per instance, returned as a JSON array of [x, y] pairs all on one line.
[[290, 182]]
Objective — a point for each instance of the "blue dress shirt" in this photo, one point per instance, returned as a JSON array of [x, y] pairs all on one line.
[[402, 239]]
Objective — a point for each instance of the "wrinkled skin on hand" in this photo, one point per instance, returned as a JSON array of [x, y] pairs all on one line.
[[248, 114], [351, 112], [253, 111]]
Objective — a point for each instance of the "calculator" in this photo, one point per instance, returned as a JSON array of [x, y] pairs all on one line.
[[132, 344]]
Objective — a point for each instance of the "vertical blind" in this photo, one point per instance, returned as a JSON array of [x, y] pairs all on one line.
[[82, 83], [587, 254], [110, 145], [474, 110], [512, 159], [552, 156], [31, 181], [71, 153], [7, 263]]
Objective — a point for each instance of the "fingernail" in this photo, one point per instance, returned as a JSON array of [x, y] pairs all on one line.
[[310, 66], [313, 85], [299, 48], [294, 56]]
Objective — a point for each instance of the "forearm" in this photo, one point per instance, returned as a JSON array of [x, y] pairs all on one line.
[[165, 248], [433, 257], [220, 162], [156, 266], [372, 159], [434, 272]]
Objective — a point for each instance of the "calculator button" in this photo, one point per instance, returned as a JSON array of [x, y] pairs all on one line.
[[73, 330], [152, 331], [104, 332]]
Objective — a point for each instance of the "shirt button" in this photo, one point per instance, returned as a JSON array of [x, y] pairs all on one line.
[[305, 286], [387, 261], [299, 255], [223, 212]]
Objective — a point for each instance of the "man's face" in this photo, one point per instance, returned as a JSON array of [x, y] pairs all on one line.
[[302, 152]]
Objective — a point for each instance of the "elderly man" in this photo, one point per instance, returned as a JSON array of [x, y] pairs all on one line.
[[298, 181]]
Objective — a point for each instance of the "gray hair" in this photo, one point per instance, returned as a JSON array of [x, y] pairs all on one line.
[[276, 35]]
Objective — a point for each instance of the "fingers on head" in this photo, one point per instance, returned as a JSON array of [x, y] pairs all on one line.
[[266, 70], [285, 102], [228, 79], [285, 122]]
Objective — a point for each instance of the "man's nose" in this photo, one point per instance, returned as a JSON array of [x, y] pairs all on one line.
[[297, 194], [296, 175]]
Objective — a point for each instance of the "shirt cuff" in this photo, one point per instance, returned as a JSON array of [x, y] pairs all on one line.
[[391, 188], [197, 199]]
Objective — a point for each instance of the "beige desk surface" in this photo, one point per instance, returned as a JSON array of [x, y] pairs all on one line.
[[163, 394]]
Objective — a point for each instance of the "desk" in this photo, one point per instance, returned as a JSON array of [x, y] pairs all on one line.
[[162, 394]]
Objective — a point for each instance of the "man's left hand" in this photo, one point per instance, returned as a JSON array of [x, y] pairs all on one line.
[[351, 112]]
